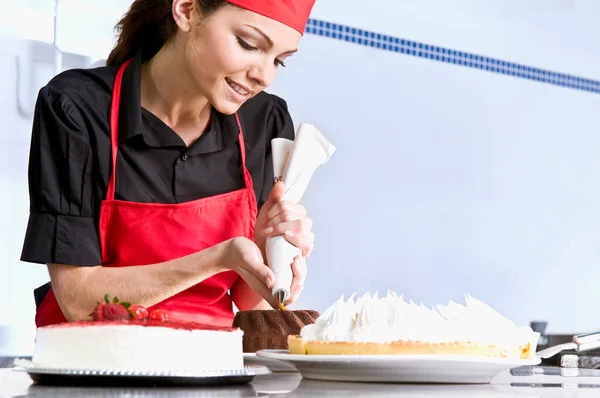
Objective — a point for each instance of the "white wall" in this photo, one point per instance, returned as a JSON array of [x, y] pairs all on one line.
[[34, 62], [447, 180], [450, 180], [15, 278]]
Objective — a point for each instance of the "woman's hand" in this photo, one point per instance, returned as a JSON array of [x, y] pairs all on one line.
[[299, 269], [244, 257], [277, 217]]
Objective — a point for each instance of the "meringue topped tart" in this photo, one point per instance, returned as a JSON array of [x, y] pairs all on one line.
[[389, 325], [129, 338]]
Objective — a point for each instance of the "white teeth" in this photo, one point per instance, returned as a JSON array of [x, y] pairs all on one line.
[[239, 89]]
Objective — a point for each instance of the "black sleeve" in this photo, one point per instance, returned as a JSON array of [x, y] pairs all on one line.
[[62, 226], [280, 125]]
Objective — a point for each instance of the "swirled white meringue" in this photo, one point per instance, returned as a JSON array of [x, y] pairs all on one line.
[[391, 318]]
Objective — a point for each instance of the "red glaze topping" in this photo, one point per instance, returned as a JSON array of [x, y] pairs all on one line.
[[113, 312], [159, 315], [149, 323]]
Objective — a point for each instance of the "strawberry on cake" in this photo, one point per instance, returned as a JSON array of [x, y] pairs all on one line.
[[126, 337]]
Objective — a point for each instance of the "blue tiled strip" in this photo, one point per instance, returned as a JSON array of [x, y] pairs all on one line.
[[441, 54]]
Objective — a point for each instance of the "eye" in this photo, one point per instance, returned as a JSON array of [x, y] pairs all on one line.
[[248, 47], [245, 45]]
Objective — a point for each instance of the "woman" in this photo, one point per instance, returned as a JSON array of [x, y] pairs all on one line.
[[146, 176]]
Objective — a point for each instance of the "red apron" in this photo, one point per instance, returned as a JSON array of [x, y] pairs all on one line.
[[146, 233]]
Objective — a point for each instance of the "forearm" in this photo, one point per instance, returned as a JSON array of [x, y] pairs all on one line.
[[78, 289]]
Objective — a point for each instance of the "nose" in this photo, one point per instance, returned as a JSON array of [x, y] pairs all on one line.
[[263, 74]]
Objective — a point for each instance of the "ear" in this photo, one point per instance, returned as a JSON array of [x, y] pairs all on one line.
[[183, 13]]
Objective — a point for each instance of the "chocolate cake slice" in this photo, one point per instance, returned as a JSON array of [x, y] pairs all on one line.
[[270, 329]]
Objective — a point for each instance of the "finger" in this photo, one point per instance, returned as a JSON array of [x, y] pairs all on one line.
[[294, 295], [286, 206], [299, 225], [304, 242], [259, 287], [310, 235], [261, 272], [276, 194], [287, 216], [299, 269]]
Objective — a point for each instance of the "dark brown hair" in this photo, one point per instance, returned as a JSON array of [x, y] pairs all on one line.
[[149, 24]]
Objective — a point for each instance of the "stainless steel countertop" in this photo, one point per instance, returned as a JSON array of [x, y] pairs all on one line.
[[18, 384]]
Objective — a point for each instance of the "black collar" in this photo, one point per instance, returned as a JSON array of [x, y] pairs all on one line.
[[135, 122]]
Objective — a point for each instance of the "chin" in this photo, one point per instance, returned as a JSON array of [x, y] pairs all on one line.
[[226, 107]]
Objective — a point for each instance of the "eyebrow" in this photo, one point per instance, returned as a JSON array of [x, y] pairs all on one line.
[[268, 39]]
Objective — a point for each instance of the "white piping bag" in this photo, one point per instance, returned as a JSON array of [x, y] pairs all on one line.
[[294, 162]]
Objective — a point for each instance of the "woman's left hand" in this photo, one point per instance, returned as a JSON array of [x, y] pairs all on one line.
[[277, 217]]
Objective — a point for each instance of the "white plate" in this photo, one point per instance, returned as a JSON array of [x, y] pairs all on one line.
[[273, 364], [398, 368]]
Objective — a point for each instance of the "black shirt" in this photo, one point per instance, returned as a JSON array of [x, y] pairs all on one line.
[[69, 161]]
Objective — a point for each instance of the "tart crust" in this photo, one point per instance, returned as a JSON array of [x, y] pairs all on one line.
[[309, 347]]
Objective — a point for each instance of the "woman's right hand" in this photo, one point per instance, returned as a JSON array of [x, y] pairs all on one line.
[[244, 257]]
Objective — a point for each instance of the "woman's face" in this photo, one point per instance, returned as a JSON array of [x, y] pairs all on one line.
[[233, 54]]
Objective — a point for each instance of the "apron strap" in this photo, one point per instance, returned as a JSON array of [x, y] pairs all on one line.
[[247, 176], [114, 130], [114, 136]]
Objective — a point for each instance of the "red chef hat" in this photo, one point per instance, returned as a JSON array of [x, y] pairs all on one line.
[[293, 13]]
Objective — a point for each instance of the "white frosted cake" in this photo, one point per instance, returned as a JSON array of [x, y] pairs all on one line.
[[148, 346], [137, 344], [391, 325]]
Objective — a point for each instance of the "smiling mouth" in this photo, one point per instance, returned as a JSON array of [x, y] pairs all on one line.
[[237, 88]]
